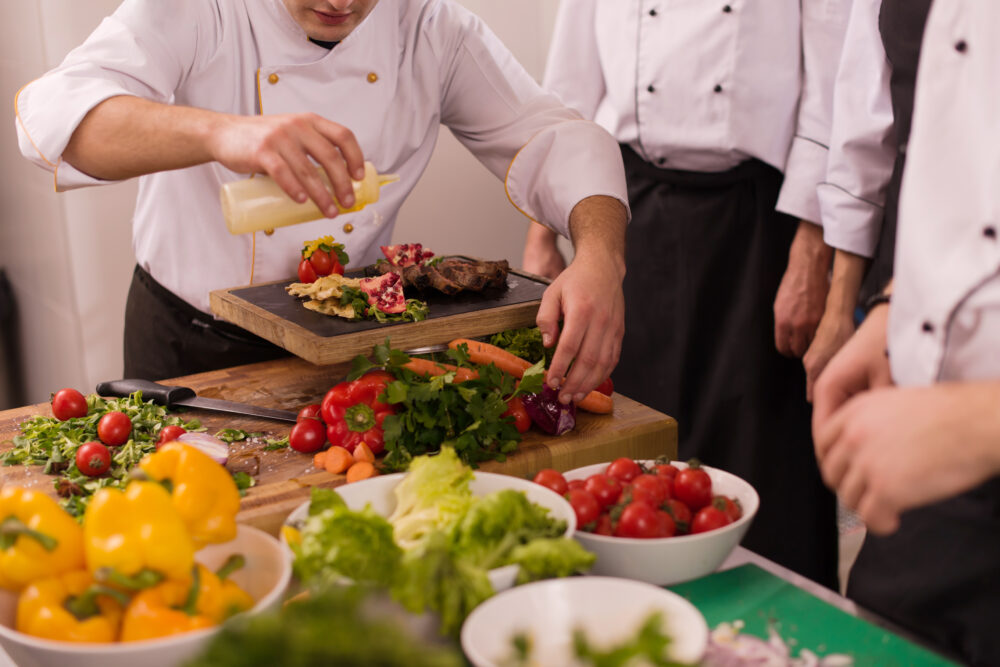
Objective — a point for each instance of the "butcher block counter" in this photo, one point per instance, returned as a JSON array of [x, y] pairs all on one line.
[[284, 477]]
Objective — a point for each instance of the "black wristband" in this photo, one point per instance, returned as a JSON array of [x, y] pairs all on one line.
[[876, 299]]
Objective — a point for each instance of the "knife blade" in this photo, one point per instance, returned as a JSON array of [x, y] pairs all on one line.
[[170, 396]]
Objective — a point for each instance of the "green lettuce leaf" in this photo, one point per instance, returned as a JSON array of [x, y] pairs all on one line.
[[548, 558]]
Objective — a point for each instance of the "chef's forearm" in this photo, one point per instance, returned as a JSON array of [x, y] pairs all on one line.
[[597, 227], [845, 283], [128, 136]]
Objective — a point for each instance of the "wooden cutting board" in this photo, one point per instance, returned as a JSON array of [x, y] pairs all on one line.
[[270, 312], [284, 477]]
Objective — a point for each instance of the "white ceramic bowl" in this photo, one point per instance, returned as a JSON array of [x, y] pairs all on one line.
[[265, 577], [608, 610], [378, 491], [669, 560]]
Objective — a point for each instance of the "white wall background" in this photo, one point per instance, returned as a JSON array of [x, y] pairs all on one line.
[[69, 255]]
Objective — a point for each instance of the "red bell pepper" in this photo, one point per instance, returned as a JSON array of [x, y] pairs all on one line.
[[354, 414]]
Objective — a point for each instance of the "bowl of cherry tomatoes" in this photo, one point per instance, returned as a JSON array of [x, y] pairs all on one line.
[[659, 522]]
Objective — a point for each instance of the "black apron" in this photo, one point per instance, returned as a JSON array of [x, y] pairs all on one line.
[[166, 337], [705, 254], [939, 574], [901, 23]]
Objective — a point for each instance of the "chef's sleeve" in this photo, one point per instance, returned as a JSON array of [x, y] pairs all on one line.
[[862, 150], [548, 156], [824, 23], [144, 49], [573, 70]]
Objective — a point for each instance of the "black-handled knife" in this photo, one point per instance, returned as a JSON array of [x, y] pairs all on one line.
[[170, 396]]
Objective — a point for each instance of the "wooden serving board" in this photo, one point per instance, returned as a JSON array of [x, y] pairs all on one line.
[[270, 312], [285, 477]]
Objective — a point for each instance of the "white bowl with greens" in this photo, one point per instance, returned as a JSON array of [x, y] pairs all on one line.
[[441, 536]]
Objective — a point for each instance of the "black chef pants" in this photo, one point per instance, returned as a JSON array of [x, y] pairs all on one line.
[[166, 337], [705, 254]]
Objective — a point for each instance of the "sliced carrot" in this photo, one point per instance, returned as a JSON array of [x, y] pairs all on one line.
[[338, 460], [484, 353], [319, 460], [360, 470], [428, 367], [364, 453]]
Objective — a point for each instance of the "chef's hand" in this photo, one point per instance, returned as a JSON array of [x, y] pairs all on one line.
[[892, 449], [588, 297], [281, 146], [801, 296], [837, 324], [541, 252], [861, 365]]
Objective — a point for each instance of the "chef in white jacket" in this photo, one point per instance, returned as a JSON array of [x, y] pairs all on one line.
[[191, 94], [907, 415], [722, 109]]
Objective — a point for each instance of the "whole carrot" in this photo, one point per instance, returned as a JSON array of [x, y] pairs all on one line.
[[428, 367], [484, 353]]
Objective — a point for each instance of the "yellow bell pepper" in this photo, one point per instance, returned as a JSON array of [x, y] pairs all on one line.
[[174, 607], [70, 607], [220, 596], [203, 491], [37, 538], [136, 534]]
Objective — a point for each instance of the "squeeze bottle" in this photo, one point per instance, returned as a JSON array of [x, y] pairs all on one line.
[[259, 203]]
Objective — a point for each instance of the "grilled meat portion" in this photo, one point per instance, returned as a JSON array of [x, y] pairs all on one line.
[[452, 276]]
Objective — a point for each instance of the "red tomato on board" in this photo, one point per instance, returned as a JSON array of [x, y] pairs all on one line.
[[169, 434], [114, 428], [307, 274], [607, 387], [308, 435], [311, 411], [552, 479], [68, 403], [516, 409], [93, 459]]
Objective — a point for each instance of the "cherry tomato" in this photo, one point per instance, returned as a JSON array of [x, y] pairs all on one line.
[[668, 527], [574, 484], [336, 266], [666, 470], [605, 488], [114, 428], [309, 412], [585, 506], [709, 518], [552, 479], [307, 274], [625, 469], [640, 520], [308, 435], [516, 409], [68, 403], [93, 459], [728, 505], [693, 487], [607, 387], [321, 262], [641, 494], [169, 434], [657, 487], [604, 525], [680, 513]]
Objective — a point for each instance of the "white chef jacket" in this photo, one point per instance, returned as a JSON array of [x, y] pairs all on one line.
[[409, 67], [862, 142], [944, 322], [702, 85]]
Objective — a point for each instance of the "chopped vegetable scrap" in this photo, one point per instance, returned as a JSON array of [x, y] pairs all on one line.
[[729, 647]]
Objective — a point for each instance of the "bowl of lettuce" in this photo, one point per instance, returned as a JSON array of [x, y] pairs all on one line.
[[440, 537]]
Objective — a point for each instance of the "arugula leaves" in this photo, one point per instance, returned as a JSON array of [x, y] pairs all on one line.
[[525, 343], [433, 411]]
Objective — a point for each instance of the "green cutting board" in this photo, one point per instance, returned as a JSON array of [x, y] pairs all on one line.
[[759, 598]]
